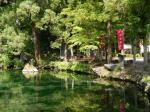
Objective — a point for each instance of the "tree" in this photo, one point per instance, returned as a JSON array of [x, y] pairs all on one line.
[[79, 25], [141, 10], [12, 41], [28, 12]]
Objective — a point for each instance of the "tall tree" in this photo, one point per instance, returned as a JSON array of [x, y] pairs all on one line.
[[141, 10], [27, 16]]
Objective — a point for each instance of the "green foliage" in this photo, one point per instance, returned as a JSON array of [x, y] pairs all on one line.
[[4, 61], [146, 79], [12, 41], [79, 25], [55, 45], [76, 66], [18, 63], [48, 19], [75, 23], [73, 66], [28, 10], [88, 47]]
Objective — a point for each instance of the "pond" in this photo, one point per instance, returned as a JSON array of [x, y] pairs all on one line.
[[67, 92]]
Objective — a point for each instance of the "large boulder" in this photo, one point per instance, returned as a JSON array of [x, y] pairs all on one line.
[[111, 66], [29, 68]]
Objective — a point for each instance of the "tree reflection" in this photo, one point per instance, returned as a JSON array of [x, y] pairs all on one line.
[[47, 92]]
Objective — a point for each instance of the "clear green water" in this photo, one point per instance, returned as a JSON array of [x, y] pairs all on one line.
[[66, 92]]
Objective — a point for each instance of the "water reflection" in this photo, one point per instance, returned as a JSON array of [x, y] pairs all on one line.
[[66, 92], [29, 75]]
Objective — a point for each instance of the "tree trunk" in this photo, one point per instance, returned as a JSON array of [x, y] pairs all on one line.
[[106, 55], [36, 43], [109, 28], [66, 83], [135, 100], [145, 51], [62, 50], [134, 54], [148, 37], [72, 54], [66, 53], [72, 84], [100, 54]]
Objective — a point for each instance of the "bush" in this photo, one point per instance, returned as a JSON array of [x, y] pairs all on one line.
[[76, 66], [146, 79], [4, 61], [129, 55], [138, 55], [73, 66], [18, 63]]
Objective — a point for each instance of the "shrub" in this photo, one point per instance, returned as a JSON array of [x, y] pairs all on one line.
[[18, 63], [146, 79], [73, 66], [4, 61], [138, 55]]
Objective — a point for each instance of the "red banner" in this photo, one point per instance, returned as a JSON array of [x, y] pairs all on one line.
[[120, 37]]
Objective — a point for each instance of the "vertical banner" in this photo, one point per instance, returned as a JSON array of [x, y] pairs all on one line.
[[120, 37]]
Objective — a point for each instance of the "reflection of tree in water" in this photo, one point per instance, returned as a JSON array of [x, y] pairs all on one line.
[[137, 99], [66, 92]]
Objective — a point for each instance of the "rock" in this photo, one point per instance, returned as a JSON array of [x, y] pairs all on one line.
[[29, 68], [147, 88], [29, 75], [110, 66]]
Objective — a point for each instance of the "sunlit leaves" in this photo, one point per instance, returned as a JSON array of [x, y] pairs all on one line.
[[79, 25], [77, 29], [11, 41], [89, 47], [28, 9], [48, 19], [34, 11], [55, 45]]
